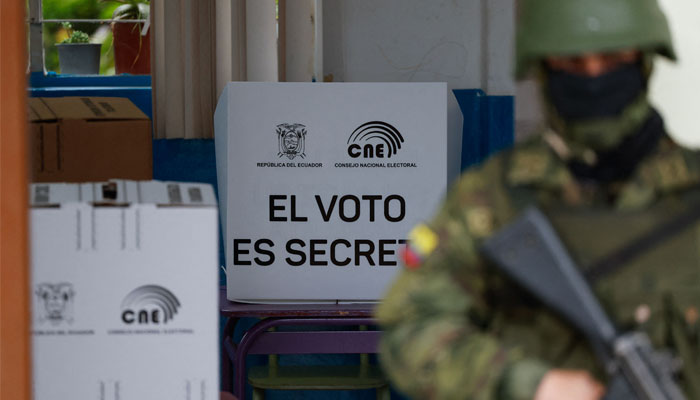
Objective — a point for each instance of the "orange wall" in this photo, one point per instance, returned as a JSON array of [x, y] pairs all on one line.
[[15, 371]]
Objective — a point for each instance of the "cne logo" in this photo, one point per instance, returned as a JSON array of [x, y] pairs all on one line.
[[375, 139], [149, 304]]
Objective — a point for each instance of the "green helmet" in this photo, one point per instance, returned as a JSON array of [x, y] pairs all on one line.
[[562, 27]]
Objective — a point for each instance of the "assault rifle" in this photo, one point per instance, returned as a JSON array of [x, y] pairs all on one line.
[[530, 252]]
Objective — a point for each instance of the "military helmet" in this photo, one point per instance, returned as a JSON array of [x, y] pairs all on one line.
[[563, 27]]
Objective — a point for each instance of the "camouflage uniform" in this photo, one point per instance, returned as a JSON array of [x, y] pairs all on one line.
[[455, 328]]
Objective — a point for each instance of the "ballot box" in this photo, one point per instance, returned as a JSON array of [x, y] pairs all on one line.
[[124, 291]]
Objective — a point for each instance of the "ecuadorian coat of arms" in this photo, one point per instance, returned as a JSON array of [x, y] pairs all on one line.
[[55, 302], [291, 139]]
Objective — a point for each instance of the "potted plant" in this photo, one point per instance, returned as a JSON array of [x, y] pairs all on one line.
[[76, 55], [132, 46]]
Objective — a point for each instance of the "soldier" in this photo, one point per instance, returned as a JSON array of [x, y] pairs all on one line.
[[604, 172]]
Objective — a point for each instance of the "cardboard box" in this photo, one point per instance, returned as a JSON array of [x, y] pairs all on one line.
[[83, 139], [125, 283], [319, 184]]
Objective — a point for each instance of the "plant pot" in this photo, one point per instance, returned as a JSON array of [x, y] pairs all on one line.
[[132, 52], [79, 58]]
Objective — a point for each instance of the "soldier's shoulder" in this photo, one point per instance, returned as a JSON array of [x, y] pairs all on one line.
[[483, 198], [526, 162], [674, 167]]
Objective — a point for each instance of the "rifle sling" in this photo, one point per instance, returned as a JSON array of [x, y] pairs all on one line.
[[620, 257]]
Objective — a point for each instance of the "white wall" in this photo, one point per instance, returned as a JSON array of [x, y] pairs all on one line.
[[466, 43], [675, 87]]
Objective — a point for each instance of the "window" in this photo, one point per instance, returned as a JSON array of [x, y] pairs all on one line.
[[95, 18]]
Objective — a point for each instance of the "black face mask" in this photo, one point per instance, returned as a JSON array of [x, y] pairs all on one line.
[[577, 97]]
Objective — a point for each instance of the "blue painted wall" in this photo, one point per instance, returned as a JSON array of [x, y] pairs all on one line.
[[489, 124], [136, 88]]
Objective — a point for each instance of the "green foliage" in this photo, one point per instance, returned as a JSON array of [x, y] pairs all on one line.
[[75, 36], [107, 54], [131, 9], [78, 9]]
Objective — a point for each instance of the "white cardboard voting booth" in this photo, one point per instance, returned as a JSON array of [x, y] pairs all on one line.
[[319, 184], [124, 282]]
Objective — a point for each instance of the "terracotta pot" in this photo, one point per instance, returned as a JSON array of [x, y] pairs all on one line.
[[132, 52]]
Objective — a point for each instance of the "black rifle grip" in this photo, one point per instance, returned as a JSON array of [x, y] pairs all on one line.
[[619, 389]]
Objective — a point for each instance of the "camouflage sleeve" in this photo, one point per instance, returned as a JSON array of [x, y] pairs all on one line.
[[435, 344]]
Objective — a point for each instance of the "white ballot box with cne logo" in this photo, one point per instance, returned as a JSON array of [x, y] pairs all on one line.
[[319, 184], [124, 291]]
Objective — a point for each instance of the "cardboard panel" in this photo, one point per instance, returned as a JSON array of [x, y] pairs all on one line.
[[46, 150], [94, 139], [93, 108], [97, 151], [50, 141], [40, 111]]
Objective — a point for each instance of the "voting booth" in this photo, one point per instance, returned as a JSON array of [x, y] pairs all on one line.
[[319, 184]]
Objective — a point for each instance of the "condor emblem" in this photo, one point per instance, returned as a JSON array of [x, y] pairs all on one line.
[[291, 140], [56, 302]]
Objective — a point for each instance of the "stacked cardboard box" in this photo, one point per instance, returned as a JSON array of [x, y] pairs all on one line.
[[83, 139]]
